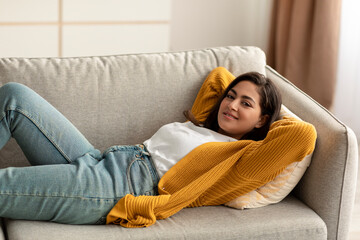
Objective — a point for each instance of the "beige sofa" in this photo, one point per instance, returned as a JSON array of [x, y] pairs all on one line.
[[130, 96]]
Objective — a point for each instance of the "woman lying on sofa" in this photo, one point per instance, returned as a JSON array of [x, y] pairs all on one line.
[[231, 146]]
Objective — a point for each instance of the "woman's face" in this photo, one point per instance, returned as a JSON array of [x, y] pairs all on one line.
[[240, 110]]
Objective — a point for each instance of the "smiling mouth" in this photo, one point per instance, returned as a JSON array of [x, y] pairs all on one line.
[[228, 115]]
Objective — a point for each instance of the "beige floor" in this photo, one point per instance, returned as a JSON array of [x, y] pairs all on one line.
[[355, 223]]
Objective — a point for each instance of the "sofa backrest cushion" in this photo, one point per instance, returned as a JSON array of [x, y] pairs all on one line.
[[122, 99]]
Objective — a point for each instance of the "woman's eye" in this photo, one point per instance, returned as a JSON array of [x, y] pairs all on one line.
[[230, 96], [246, 104]]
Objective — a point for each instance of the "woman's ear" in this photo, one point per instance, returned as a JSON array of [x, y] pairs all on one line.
[[262, 121]]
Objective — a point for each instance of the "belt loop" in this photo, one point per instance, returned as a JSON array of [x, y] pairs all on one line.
[[145, 151]]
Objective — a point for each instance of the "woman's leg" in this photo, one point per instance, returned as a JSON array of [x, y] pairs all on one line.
[[82, 192], [64, 193], [43, 133]]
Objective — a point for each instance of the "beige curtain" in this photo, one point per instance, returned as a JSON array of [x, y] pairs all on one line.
[[304, 43]]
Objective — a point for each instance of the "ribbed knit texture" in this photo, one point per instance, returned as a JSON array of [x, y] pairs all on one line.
[[212, 88], [215, 173]]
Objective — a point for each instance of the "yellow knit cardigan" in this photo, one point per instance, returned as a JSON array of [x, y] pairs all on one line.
[[215, 173]]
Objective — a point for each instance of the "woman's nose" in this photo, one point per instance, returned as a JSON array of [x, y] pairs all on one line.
[[234, 105]]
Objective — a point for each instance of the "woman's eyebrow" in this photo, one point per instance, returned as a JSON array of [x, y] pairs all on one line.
[[248, 98], [243, 96], [233, 91]]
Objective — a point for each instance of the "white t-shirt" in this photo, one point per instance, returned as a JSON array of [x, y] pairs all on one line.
[[174, 141]]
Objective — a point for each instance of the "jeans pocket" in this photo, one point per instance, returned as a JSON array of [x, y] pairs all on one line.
[[140, 178]]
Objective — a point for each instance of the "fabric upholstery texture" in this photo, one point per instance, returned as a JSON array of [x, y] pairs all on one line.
[[148, 90], [290, 219]]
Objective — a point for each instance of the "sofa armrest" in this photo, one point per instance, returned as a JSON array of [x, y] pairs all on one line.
[[329, 184]]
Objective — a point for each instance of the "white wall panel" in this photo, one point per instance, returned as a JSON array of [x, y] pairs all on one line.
[[212, 23], [46, 28], [28, 10], [114, 39], [28, 41], [116, 10]]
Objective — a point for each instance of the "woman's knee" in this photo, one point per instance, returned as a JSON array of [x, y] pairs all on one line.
[[13, 86], [13, 90]]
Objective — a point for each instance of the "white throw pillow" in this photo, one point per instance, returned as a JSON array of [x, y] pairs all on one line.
[[280, 187]]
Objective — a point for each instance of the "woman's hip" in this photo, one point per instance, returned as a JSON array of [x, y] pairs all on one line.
[[132, 169]]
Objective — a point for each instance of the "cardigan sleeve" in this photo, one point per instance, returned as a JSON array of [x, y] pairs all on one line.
[[289, 140], [210, 91]]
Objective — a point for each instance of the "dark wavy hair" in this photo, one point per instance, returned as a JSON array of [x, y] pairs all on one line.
[[270, 103]]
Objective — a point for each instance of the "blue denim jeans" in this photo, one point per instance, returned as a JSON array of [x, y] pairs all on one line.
[[69, 181]]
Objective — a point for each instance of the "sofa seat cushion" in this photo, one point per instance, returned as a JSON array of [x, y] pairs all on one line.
[[289, 219]]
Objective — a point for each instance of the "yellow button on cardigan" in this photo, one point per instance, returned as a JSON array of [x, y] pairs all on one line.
[[215, 173]]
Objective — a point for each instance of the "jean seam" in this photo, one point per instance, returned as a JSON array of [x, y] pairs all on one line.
[[56, 196], [45, 133], [154, 174], [131, 188]]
